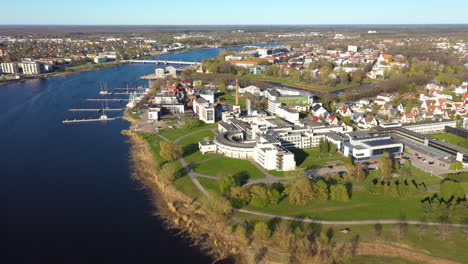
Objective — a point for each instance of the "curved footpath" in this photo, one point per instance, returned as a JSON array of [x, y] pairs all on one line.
[[271, 179]]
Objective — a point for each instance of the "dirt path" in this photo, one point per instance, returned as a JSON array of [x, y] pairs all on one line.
[[381, 249]]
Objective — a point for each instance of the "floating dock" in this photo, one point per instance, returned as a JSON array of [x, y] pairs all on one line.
[[95, 110], [89, 120], [107, 99]]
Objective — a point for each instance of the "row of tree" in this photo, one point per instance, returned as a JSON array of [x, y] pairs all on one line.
[[438, 209], [301, 243], [396, 188]]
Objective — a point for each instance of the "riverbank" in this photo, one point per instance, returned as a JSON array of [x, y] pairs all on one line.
[[69, 71], [189, 216]]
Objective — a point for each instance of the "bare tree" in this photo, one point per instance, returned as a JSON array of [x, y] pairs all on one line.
[[443, 228]]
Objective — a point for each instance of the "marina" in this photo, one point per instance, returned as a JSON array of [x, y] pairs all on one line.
[[94, 109]]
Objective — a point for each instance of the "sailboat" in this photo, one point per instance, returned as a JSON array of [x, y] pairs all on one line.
[[104, 90], [103, 115]]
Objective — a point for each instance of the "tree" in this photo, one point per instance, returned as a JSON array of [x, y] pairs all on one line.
[[451, 190], [227, 182], [239, 196], [259, 196], [339, 193], [300, 192], [170, 151], [282, 235], [422, 228], [168, 172], [360, 173], [385, 166], [261, 232], [320, 190], [220, 206], [377, 231], [456, 166]]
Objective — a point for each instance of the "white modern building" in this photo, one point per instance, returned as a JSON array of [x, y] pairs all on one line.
[[430, 127], [204, 110], [370, 147], [274, 157], [10, 67], [32, 68], [266, 140]]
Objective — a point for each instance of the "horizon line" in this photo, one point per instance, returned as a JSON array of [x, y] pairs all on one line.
[[367, 24]]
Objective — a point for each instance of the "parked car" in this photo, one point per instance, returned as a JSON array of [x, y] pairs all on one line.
[[430, 162]]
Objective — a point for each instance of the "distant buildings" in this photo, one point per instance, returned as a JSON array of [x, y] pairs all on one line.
[[10, 67]]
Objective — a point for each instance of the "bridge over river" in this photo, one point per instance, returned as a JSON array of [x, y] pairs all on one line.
[[162, 62]]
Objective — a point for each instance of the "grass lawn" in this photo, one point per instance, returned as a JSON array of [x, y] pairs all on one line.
[[363, 206], [452, 139], [194, 139], [136, 115], [192, 154], [185, 185], [312, 158], [153, 141], [230, 99], [230, 166], [175, 133], [211, 185], [379, 259], [290, 82], [454, 248], [465, 186], [418, 175]]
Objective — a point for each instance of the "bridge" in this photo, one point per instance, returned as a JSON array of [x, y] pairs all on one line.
[[162, 62]]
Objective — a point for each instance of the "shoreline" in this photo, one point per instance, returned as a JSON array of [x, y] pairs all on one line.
[[179, 211], [62, 73]]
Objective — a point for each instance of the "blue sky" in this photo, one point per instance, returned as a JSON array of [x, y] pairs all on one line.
[[240, 12]]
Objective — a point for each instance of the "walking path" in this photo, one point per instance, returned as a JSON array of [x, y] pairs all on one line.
[[272, 179], [355, 222]]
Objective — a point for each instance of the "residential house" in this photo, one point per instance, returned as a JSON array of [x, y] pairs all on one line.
[[318, 110], [408, 118], [368, 122], [332, 120], [345, 111]]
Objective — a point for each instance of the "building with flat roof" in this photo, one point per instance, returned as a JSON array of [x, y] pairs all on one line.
[[10, 67], [368, 147], [204, 110], [430, 127], [267, 140]]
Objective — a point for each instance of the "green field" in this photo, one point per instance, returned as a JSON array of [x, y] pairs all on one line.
[[211, 185], [230, 99], [185, 185], [243, 168], [194, 139], [175, 133], [310, 158], [452, 139], [362, 206], [192, 154], [378, 259], [417, 174], [154, 141], [290, 82]]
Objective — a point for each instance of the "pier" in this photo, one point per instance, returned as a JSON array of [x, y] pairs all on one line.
[[162, 62], [95, 110], [108, 99], [89, 120]]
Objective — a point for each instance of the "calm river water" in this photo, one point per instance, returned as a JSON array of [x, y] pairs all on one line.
[[65, 191]]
